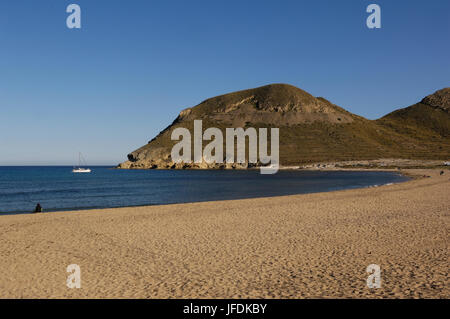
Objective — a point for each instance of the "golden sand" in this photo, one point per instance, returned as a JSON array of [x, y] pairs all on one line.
[[301, 246]]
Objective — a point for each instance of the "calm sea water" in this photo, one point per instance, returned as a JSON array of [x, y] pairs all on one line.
[[57, 188]]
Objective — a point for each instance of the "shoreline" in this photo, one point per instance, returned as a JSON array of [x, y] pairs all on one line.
[[403, 173], [382, 163], [297, 246]]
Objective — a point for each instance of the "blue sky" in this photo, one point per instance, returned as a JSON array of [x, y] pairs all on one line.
[[112, 85]]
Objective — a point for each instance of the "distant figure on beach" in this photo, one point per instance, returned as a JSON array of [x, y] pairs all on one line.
[[38, 208], [441, 173]]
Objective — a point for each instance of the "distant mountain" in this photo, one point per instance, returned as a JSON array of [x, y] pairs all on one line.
[[313, 129]]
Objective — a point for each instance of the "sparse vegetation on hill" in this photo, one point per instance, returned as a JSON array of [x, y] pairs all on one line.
[[313, 129]]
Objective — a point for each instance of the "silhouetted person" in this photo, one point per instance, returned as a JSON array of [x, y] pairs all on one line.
[[442, 173], [38, 208]]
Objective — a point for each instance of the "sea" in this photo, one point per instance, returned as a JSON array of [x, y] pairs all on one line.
[[56, 188]]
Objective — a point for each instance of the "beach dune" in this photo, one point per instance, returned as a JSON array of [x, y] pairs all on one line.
[[300, 246]]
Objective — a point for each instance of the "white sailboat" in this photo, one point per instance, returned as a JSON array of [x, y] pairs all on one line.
[[79, 169]]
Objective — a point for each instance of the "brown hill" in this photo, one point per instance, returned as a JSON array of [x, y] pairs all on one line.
[[276, 104], [430, 116], [313, 129]]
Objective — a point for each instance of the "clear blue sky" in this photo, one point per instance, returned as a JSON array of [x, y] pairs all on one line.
[[111, 86]]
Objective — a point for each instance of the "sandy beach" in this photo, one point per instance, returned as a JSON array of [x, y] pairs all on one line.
[[300, 246]]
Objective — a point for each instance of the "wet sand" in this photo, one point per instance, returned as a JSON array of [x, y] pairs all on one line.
[[300, 246]]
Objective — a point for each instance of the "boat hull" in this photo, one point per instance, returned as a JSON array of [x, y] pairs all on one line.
[[81, 170]]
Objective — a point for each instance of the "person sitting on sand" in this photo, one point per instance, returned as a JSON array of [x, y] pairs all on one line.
[[38, 208]]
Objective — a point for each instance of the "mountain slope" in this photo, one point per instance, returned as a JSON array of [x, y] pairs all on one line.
[[431, 114], [312, 129]]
